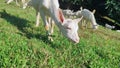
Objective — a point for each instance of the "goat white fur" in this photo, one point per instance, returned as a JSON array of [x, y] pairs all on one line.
[[68, 27]]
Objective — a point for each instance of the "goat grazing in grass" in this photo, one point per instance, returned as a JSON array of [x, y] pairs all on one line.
[[88, 16], [109, 26], [50, 8]]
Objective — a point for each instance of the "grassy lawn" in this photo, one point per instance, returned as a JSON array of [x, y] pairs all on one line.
[[22, 45]]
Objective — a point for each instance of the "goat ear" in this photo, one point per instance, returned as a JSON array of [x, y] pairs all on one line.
[[94, 11], [78, 20], [81, 8], [60, 15]]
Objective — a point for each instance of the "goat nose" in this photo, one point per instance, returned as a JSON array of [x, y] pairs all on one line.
[[77, 40]]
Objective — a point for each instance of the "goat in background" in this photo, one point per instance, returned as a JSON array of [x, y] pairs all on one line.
[[88, 16]]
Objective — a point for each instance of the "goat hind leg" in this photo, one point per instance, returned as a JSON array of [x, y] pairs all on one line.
[[37, 18], [17, 3], [8, 1]]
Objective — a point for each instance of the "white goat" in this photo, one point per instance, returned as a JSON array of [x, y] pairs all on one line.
[[45, 8], [118, 30], [88, 16], [109, 26], [9, 1], [68, 13]]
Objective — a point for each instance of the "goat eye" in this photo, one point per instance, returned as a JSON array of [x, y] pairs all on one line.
[[68, 28]]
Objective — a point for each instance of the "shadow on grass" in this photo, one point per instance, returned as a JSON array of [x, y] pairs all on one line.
[[21, 23]]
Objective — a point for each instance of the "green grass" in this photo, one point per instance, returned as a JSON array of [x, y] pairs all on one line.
[[24, 46]]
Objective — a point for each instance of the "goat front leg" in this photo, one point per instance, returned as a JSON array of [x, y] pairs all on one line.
[[51, 27], [51, 23], [46, 25]]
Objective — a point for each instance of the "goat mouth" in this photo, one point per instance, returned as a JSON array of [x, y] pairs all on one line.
[[74, 41]]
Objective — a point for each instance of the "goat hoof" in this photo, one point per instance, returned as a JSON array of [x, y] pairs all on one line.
[[36, 25], [50, 39]]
